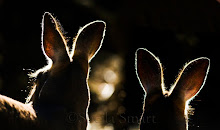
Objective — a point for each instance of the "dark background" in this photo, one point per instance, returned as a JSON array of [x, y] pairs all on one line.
[[175, 31]]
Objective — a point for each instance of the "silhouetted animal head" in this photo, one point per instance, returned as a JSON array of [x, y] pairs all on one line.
[[163, 109], [62, 95]]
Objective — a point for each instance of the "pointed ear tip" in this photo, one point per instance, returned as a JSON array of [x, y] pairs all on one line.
[[98, 24], [138, 53], [46, 17], [204, 60], [47, 14], [207, 59], [147, 53], [143, 54], [141, 50], [102, 23], [201, 62]]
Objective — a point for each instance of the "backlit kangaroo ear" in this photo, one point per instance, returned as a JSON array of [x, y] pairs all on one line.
[[53, 42], [149, 71], [89, 39], [192, 78]]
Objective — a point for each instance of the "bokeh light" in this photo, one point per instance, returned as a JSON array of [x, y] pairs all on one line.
[[105, 82]]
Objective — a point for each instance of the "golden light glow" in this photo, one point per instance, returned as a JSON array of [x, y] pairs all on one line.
[[105, 91], [105, 84], [97, 126], [110, 76], [105, 77]]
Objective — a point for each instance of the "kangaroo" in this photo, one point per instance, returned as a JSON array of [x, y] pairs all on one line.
[[163, 109], [60, 96]]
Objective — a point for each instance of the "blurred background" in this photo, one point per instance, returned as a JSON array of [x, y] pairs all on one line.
[[175, 31]]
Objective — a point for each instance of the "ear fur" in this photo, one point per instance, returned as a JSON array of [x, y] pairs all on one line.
[[89, 39], [149, 71], [191, 79], [53, 42]]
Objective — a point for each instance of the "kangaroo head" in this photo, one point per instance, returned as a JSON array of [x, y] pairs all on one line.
[[62, 94], [165, 109]]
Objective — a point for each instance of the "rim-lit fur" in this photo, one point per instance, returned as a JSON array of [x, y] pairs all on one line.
[[60, 96], [168, 109]]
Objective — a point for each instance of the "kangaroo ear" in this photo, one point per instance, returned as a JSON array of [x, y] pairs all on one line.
[[89, 39], [53, 42], [149, 71], [192, 78]]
